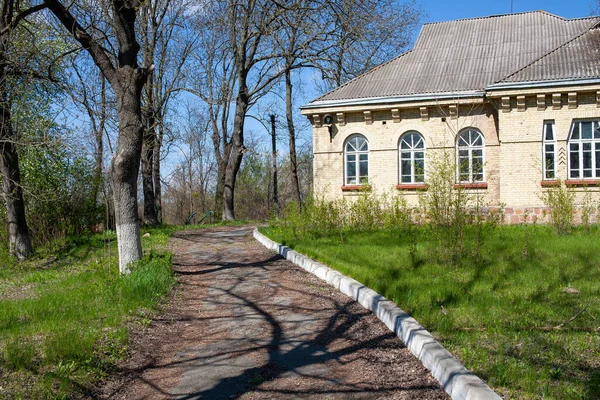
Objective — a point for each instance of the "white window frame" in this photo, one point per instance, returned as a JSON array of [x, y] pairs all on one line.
[[594, 143], [470, 148], [412, 150], [546, 142], [357, 154]]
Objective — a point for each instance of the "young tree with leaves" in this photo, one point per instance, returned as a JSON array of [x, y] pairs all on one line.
[[12, 14]]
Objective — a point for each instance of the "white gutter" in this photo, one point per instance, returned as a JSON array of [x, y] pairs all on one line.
[[536, 84], [393, 99]]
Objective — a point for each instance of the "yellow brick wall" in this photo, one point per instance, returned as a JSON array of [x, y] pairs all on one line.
[[520, 134], [513, 151], [384, 135]]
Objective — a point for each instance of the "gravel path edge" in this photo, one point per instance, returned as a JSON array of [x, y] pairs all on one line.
[[457, 381]]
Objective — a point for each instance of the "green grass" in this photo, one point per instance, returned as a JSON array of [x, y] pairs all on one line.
[[496, 310], [64, 315]]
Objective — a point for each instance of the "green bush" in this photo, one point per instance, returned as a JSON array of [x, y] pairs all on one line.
[[560, 203]]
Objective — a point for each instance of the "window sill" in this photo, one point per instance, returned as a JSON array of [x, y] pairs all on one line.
[[473, 185], [582, 182], [550, 183], [412, 186], [356, 188]]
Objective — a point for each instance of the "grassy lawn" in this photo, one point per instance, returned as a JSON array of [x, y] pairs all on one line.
[[506, 311], [64, 315]]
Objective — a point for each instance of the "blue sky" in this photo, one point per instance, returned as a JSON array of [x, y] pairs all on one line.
[[444, 10], [436, 11]]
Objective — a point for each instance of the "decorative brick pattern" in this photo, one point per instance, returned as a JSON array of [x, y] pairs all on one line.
[[541, 102]]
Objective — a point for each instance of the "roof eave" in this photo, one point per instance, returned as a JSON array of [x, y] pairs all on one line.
[[392, 99], [542, 84]]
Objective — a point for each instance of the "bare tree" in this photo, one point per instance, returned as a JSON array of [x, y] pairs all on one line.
[[302, 39], [214, 84], [167, 44], [365, 33], [250, 25], [127, 79], [88, 91]]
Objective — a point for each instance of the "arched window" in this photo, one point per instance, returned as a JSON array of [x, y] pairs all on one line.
[[412, 158], [584, 150], [470, 156], [356, 152]]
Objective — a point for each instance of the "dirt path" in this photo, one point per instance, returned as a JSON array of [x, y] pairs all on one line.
[[246, 324]]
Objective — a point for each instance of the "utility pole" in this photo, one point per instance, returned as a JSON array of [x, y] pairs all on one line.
[[274, 148]]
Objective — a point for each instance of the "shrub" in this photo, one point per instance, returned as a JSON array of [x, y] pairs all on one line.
[[560, 203]]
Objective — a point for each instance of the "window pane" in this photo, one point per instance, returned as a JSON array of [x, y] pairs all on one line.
[[477, 165], [351, 172], [420, 178], [419, 155], [477, 140], [587, 159], [351, 157], [596, 130], [363, 157], [464, 166], [575, 133], [549, 165], [364, 170], [549, 131], [574, 164], [406, 167], [419, 167], [478, 153], [405, 155], [586, 130], [477, 177]]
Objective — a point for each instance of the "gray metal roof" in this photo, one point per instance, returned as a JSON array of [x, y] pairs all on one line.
[[470, 54], [577, 59]]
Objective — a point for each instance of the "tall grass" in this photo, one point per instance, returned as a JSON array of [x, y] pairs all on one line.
[[64, 318], [519, 305]]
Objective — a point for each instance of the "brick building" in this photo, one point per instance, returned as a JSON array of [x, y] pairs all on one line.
[[515, 98]]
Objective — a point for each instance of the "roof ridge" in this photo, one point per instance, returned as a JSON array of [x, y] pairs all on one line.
[[361, 75], [502, 15], [585, 32]]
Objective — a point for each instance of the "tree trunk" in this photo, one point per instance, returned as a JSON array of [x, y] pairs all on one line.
[[125, 165], [221, 167], [156, 178], [18, 233], [148, 155], [292, 137], [99, 136], [237, 152], [150, 217]]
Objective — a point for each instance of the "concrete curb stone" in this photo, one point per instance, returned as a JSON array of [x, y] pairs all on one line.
[[457, 381]]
